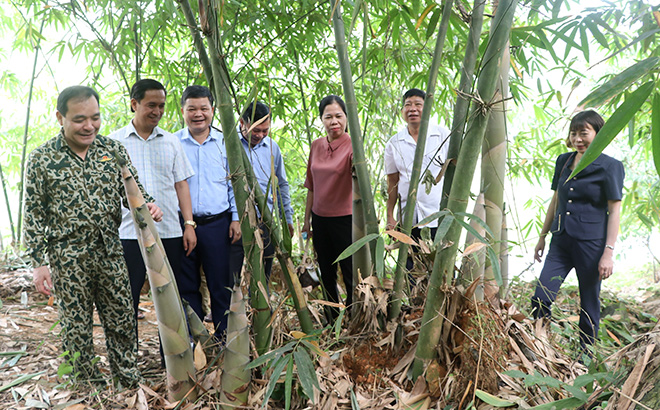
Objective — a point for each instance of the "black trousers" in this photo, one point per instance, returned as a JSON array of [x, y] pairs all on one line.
[[565, 254], [237, 255], [211, 254], [416, 234], [331, 235]]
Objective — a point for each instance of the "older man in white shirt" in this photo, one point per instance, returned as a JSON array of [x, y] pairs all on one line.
[[399, 159]]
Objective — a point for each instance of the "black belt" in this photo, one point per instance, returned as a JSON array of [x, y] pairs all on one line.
[[206, 219]]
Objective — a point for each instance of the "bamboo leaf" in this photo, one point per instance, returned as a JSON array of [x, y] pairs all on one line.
[[273, 354], [443, 228], [596, 33], [277, 371], [433, 22], [614, 125], [355, 246], [569, 403], [288, 381], [380, 256], [426, 11], [577, 392], [313, 345], [478, 220], [473, 248], [20, 380], [655, 131], [619, 83], [495, 264], [401, 237], [492, 400], [432, 217], [306, 372]]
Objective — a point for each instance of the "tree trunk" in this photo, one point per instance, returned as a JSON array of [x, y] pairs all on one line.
[[493, 171], [504, 255], [472, 266], [463, 101], [400, 275], [252, 243], [359, 161], [27, 128], [362, 257], [443, 267]]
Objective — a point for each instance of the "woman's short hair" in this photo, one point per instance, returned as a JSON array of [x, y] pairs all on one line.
[[331, 99], [580, 121]]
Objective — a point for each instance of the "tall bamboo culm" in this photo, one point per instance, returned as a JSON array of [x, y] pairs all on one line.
[[359, 161], [493, 172], [465, 87], [37, 48], [443, 267], [244, 202], [400, 275], [171, 316], [286, 263]]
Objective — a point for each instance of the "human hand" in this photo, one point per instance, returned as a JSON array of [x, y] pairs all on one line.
[[41, 279], [540, 247], [391, 223], [234, 231], [155, 211], [606, 264], [306, 230], [189, 239], [290, 229]]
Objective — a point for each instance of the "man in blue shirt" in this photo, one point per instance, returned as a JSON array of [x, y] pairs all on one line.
[[213, 207], [266, 159]]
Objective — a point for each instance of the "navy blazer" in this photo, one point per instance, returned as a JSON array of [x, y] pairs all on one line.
[[582, 201]]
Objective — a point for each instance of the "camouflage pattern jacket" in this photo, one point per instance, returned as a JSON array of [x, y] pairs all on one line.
[[71, 202]]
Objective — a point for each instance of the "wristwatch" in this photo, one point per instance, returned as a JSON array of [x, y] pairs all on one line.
[[191, 223]]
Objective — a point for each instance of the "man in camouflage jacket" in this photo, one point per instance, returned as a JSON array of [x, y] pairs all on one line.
[[73, 189]]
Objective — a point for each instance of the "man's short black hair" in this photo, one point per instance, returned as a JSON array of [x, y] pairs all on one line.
[[413, 92], [259, 109], [78, 92], [196, 91], [141, 87]]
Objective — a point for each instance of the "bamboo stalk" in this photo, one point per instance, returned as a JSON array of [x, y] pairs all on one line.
[[235, 376], [400, 276], [172, 325], [443, 267], [27, 128], [243, 193], [359, 160], [11, 219], [493, 171], [462, 101]]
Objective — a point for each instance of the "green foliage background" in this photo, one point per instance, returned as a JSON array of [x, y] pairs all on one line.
[[283, 52]]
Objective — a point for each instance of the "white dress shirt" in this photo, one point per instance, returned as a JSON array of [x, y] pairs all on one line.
[[399, 158]]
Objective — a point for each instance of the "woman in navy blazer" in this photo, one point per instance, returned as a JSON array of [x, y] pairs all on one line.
[[583, 217]]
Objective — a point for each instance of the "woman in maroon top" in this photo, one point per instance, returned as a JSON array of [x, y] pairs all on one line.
[[330, 200]]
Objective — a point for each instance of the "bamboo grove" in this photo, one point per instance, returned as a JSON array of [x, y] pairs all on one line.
[[470, 58]]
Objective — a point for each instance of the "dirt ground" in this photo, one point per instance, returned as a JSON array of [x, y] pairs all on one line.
[[30, 345]]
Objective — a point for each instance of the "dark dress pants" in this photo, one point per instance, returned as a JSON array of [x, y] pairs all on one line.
[[416, 234], [211, 253], [331, 235], [565, 254], [237, 254]]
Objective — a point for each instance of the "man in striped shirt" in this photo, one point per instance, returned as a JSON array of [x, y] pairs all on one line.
[[163, 168]]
